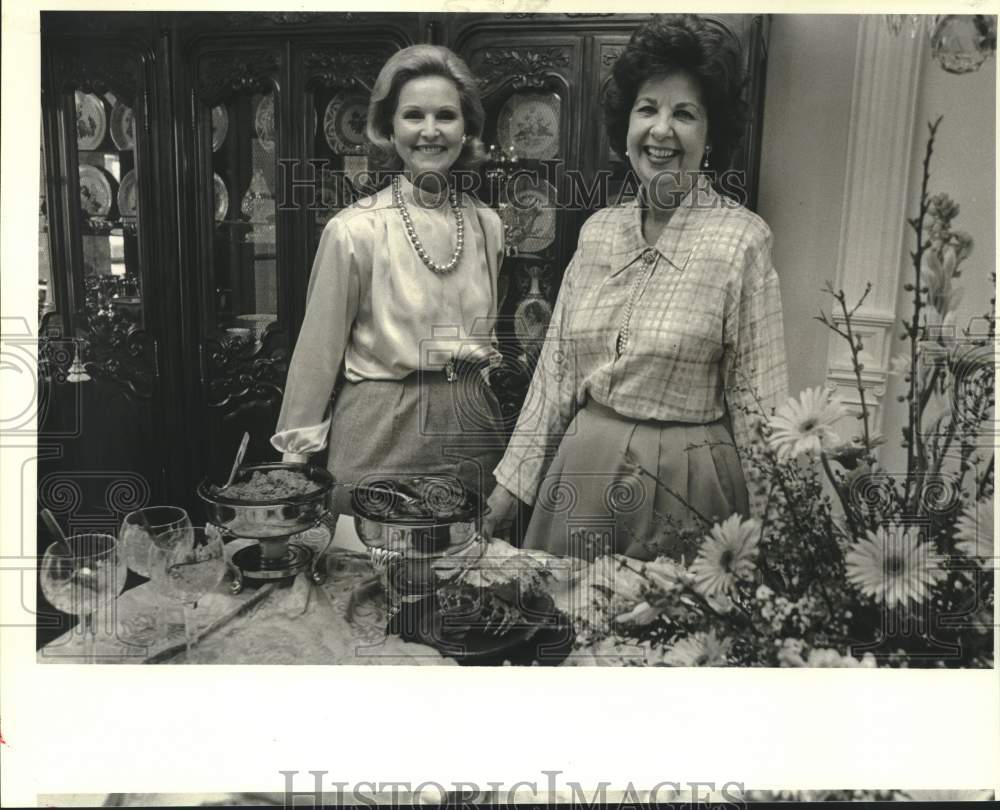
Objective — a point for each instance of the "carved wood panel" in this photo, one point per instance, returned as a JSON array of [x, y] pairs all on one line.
[[336, 68], [99, 70], [525, 67], [220, 75]]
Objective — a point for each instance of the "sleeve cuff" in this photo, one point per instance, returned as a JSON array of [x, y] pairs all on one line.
[[510, 483], [301, 442], [295, 458]]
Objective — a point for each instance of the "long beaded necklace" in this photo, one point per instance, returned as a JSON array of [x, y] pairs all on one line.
[[648, 261], [439, 269]]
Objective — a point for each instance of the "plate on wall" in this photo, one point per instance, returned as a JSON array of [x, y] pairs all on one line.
[[128, 196], [529, 122], [344, 123], [221, 197], [264, 122], [91, 121], [530, 215], [220, 126], [96, 194], [123, 126]]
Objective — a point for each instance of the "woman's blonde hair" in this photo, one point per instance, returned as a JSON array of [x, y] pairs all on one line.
[[411, 63]]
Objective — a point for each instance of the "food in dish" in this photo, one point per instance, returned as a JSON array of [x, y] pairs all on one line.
[[427, 497], [270, 485], [488, 594]]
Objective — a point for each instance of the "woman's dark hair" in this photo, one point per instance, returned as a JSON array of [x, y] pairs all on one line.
[[681, 42], [411, 63]]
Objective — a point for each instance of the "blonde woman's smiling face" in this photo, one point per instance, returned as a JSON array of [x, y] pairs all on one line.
[[667, 135], [428, 125]]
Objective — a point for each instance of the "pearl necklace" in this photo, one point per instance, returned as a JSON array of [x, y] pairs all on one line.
[[441, 270]]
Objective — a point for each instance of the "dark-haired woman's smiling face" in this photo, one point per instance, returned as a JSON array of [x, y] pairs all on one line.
[[667, 133]]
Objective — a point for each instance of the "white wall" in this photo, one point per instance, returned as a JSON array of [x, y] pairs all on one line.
[[964, 166], [803, 168]]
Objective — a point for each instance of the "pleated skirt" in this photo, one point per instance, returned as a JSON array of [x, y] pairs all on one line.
[[420, 425], [640, 488]]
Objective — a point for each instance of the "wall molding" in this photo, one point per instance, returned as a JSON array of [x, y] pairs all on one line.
[[872, 249]]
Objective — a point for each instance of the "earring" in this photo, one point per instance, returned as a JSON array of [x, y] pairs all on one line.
[[465, 139], [708, 151]]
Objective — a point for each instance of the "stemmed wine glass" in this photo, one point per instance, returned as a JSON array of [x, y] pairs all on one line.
[[140, 527], [185, 564], [83, 575], [139, 530]]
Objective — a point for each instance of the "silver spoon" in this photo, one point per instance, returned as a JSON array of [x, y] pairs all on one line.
[[237, 462], [56, 529]]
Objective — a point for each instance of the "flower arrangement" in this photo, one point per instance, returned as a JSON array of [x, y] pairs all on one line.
[[851, 565]]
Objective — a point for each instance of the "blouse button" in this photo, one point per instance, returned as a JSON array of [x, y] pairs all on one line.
[[649, 255]]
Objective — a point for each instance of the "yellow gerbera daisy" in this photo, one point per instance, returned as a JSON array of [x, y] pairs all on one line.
[[727, 555], [893, 566], [806, 425]]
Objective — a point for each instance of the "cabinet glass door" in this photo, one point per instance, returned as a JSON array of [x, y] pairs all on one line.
[[109, 210], [243, 255], [244, 245]]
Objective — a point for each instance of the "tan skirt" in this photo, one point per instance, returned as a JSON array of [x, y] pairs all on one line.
[[421, 424], [600, 495]]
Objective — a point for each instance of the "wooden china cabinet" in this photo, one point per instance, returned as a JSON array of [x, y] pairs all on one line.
[[191, 163]]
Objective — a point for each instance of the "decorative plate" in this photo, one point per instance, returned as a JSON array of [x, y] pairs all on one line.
[[529, 122], [220, 126], [530, 215], [264, 122], [95, 191], [91, 121], [123, 126], [344, 123], [128, 196], [221, 198]]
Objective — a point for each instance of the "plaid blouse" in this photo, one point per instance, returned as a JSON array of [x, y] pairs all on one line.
[[675, 332]]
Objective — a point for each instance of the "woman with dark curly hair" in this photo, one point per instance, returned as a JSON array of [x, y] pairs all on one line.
[[667, 333], [402, 299]]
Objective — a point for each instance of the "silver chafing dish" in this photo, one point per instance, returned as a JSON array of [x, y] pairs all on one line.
[[271, 521], [409, 522]]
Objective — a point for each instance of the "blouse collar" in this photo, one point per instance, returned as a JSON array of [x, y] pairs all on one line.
[[679, 237], [409, 192]]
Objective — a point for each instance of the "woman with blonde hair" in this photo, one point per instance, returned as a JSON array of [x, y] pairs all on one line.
[[387, 374]]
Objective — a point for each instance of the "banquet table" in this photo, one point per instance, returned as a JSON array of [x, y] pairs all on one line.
[[341, 621]]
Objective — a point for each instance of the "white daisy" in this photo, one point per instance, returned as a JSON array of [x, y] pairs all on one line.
[[893, 566], [698, 650], [831, 658], [974, 531], [806, 425], [727, 555], [642, 614]]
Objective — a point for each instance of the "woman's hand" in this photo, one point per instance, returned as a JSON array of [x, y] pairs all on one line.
[[502, 505]]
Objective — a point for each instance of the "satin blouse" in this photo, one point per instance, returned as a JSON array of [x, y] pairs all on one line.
[[377, 312]]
